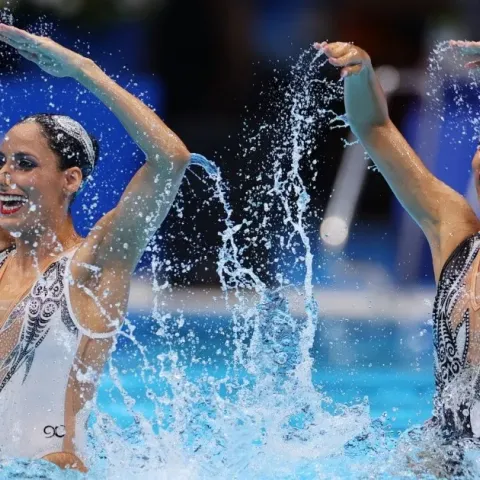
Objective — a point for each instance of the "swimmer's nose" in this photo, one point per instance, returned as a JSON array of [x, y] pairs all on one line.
[[5, 179], [8, 178]]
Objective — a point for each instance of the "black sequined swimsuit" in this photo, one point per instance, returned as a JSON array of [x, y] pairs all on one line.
[[457, 396]]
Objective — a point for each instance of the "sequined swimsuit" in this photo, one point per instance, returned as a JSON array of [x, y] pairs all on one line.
[[457, 396], [41, 345]]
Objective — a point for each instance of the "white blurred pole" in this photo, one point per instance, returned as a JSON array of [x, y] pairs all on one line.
[[335, 227], [340, 210]]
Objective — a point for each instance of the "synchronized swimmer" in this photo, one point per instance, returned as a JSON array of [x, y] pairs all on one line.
[[63, 297], [452, 230]]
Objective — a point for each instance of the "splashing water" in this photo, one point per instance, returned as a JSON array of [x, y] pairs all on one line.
[[261, 416], [272, 415]]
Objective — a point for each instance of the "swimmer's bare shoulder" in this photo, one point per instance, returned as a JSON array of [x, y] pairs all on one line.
[[443, 214]]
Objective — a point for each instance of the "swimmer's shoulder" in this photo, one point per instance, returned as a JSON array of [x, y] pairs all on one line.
[[459, 222]]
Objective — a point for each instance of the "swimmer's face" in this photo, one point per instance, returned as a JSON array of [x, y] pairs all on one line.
[[34, 192]]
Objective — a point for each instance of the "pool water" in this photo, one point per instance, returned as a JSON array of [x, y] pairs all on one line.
[[389, 363], [404, 396], [383, 367]]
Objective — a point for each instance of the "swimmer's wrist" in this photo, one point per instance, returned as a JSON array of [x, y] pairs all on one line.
[[85, 68], [366, 74]]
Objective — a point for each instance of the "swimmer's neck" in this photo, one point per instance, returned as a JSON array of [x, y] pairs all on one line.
[[34, 249]]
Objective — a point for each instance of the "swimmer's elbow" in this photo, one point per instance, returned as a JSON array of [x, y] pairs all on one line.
[[182, 157], [177, 159]]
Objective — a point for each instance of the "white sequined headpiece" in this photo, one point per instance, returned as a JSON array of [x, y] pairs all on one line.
[[72, 128]]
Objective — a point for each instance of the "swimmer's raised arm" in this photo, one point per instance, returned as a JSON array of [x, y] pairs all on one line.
[[107, 258], [444, 215], [151, 192], [126, 230]]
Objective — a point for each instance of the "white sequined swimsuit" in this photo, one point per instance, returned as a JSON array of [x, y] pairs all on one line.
[[39, 345]]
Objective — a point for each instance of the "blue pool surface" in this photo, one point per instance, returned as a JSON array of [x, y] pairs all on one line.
[[389, 364]]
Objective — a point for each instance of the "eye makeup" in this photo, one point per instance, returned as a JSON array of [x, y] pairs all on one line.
[[21, 161], [24, 161]]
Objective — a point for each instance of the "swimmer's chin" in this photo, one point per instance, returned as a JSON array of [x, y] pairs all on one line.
[[16, 222]]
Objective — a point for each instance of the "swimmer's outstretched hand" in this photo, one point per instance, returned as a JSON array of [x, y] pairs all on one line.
[[47, 54], [468, 48], [350, 58]]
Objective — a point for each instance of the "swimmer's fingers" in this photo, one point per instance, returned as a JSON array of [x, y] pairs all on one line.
[[346, 55], [12, 43], [351, 58], [29, 42], [471, 49], [466, 48], [50, 56], [336, 49], [19, 37], [18, 45], [24, 50]]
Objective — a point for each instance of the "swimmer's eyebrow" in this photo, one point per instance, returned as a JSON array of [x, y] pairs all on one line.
[[21, 152]]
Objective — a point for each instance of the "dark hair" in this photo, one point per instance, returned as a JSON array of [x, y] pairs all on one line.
[[70, 151]]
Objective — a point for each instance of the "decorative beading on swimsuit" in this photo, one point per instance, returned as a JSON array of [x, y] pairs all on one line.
[[457, 397]]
